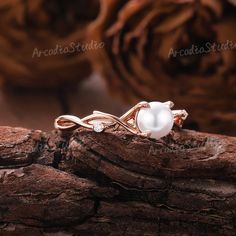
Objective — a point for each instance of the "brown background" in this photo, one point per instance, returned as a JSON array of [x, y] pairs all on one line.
[[38, 109]]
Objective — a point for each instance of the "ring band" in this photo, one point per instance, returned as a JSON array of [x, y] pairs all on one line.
[[154, 119]]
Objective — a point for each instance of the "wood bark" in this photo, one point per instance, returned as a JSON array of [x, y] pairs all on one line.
[[115, 183]]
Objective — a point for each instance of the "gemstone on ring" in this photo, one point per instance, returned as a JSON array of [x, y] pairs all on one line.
[[157, 120], [98, 127], [154, 119]]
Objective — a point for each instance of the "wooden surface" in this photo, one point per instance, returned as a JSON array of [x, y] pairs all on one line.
[[114, 183]]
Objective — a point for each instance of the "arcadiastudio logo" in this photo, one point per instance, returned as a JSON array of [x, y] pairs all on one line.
[[73, 47], [208, 47]]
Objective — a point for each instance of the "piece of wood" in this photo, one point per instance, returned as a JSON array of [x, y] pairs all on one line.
[[115, 183]]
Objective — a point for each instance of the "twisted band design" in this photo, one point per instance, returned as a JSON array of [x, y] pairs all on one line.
[[98, 121]]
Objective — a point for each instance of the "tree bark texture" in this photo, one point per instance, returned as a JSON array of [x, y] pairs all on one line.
[[115, 183]]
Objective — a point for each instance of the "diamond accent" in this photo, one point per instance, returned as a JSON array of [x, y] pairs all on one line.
[[98, 127]]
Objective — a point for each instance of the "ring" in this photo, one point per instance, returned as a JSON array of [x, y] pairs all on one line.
[[153, 119]]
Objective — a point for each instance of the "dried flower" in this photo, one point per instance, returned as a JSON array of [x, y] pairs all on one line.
[[31, 32], [174, 49]]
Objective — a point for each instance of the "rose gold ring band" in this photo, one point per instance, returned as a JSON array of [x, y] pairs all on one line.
[[98, 121]]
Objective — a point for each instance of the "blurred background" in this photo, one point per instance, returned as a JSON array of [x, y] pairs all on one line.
[[73, 57]]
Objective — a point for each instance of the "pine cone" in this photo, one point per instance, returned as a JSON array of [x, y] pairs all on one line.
[[35, 37], [233, 2], [144, 57]]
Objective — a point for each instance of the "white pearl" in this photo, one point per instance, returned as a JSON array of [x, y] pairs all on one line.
[[158, 119]]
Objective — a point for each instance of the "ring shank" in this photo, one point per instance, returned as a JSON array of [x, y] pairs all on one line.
[[127, 121]]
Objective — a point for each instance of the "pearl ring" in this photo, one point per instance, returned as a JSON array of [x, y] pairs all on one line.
[[153, 119]]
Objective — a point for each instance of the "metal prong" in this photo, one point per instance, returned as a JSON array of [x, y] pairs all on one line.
[[179, 117], [146, 134], [170, 104], [143, 105]]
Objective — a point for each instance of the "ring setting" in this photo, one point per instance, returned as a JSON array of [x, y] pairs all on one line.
[[153, 119]]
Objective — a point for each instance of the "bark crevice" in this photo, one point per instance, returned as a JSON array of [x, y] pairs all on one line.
[[85, 183]]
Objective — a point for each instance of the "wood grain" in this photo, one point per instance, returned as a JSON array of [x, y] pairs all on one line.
[[114, 183]]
